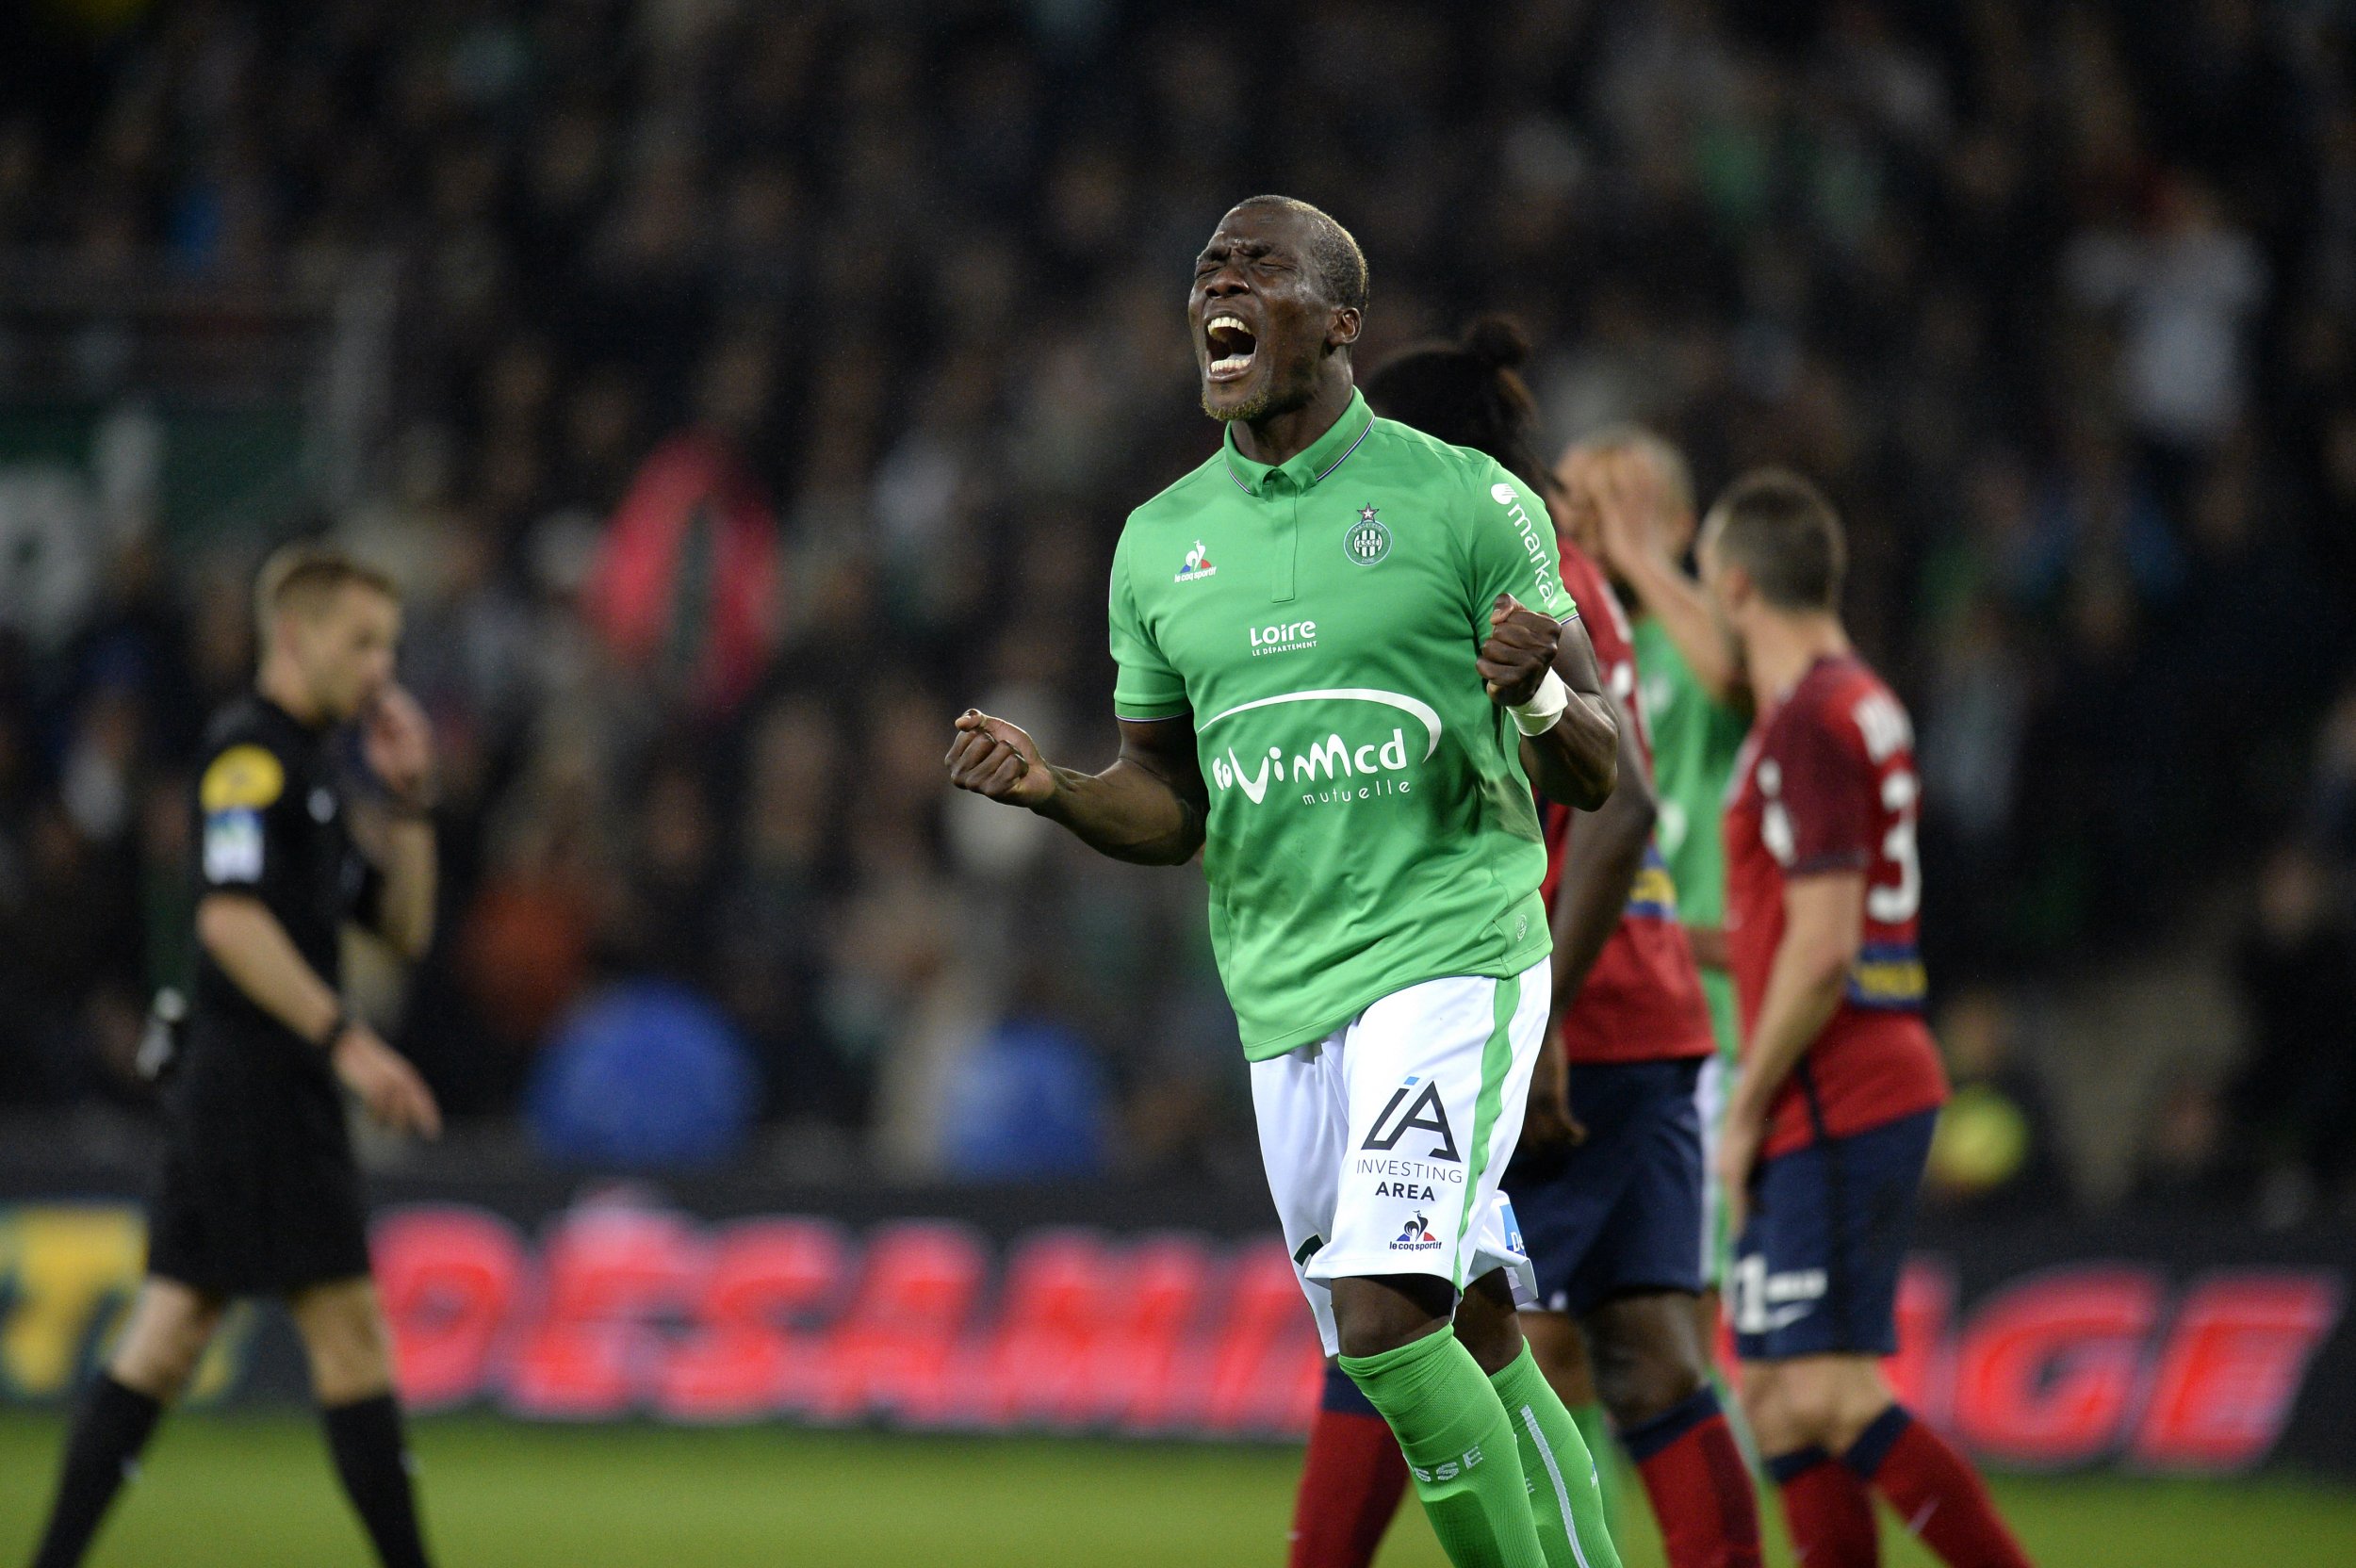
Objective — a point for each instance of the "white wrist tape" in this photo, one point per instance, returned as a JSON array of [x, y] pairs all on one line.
[[1537, 715]]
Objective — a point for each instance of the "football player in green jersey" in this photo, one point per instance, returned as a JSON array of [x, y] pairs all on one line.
[[1345, 656]]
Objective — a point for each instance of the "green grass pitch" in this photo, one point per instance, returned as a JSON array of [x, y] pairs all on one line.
[[242, 1492]]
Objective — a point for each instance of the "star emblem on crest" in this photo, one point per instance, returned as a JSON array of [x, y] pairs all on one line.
[[1365, 514]]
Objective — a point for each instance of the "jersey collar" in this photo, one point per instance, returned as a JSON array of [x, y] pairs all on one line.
[[270, 705], [1305, 467]]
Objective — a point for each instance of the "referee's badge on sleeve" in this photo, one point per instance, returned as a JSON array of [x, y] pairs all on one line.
[[235, 787], [246, 778], [233, 846]]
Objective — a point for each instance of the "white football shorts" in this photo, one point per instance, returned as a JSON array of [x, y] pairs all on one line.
[[1386, 1140]]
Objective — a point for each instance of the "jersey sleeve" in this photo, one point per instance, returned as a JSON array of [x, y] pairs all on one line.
[[1144, 685], [1609, 634], [238, 796], [1512, 548], [1599, 609], [1825, 789]]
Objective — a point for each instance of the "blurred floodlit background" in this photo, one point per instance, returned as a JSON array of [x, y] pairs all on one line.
[[742, 391]]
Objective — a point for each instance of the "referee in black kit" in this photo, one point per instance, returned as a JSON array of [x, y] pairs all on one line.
[[259, 1194]]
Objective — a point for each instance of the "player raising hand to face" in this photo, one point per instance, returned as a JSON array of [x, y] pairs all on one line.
[[260, 1193]]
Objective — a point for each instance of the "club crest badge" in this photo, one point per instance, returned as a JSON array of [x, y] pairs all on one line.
[[1368, 541]]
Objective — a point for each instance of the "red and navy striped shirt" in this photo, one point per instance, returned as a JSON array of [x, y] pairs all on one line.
[[1827, 782], [1642, 1000]]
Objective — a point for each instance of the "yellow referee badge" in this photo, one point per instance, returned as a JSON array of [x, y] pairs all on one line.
[[241, 778]]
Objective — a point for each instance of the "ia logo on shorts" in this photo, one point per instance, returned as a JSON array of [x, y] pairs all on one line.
[[1414, 1118], [1416, 1236]]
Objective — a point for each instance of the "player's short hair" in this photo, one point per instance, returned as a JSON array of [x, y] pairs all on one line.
[[1653, 447], [303, 577], [1468, 393], [1780, 529], [1340, 265]]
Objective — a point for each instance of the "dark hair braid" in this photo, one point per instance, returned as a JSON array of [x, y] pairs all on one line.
[[1468, 393]]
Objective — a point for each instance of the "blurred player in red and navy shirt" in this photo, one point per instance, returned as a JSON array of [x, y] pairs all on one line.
[[1826, 1139], [1608, 1205], [1615, 1222]]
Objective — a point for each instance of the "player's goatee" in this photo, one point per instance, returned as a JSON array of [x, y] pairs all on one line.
[[1256, 408], [1261, 405]]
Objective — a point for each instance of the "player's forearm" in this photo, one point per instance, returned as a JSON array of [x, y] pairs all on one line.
[[1607, 852], [1587, 912], [1127, 812], [1576, 761], [242, 936], [405, 909], [1710, 945], [1678, 602], [1804, 987], [1550, 1075]]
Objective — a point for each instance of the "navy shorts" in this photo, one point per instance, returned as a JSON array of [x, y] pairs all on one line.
[[1816, 1268], [1622, 1212]]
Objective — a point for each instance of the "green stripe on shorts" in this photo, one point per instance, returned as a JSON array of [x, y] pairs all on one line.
[[1497, 1060], [1718, 990]]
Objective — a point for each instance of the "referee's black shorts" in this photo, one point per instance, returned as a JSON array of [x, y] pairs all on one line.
[[259, 1194]]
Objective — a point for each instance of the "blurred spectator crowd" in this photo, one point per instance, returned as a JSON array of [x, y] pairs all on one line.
[[771, 381]]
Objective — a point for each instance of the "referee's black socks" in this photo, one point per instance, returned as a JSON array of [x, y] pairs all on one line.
[[364, 1437], [111, 1428]]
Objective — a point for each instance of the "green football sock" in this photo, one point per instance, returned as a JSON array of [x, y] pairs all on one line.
[[1594, 1429], [1459, 1446], [1566, 1494]]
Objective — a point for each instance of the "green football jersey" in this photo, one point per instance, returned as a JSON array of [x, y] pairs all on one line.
[[1694, 739], [1370, 824]]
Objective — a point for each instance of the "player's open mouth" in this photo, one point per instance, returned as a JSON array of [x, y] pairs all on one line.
[[1231, 345]]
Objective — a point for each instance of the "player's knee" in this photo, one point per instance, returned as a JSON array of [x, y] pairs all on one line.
[[1647, 1357], [172, 1360], [1495, 1342], [1372, 1317], [1489, 1326], [1639, 1383], [350, 1359], [167, 1338], [1767, 1411], [1372, 1330], [1804, 1407], [1561, 1355], [1857, 1397], [345, 1373], [1364, 1337]]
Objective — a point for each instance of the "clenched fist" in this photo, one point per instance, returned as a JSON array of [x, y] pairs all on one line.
[[994, 758], [1518, 653]]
